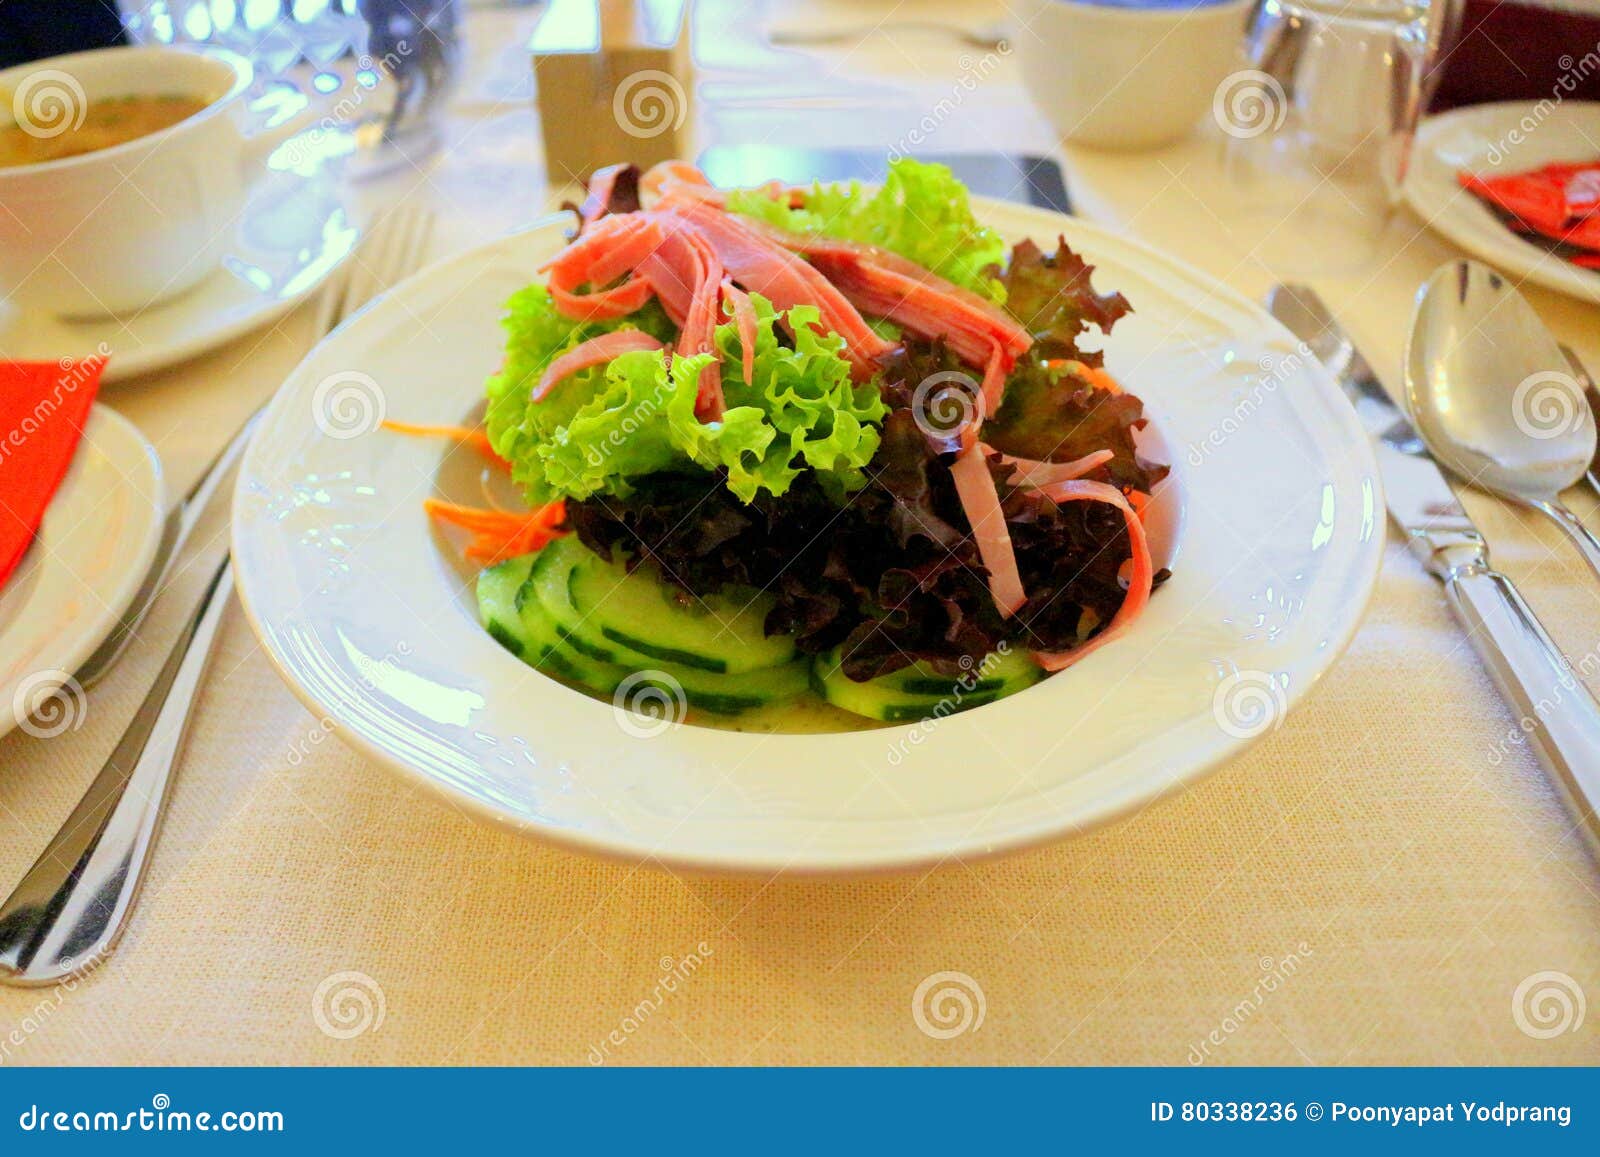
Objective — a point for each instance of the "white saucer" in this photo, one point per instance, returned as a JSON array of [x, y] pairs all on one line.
[[295, 230], [1492, 139], [94, 545]]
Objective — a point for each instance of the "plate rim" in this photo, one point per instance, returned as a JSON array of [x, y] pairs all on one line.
[[1515, 256], [1115, 803], [85, 642]]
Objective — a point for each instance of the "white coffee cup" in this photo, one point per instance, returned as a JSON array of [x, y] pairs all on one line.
[[116, 230], [1130, 77]]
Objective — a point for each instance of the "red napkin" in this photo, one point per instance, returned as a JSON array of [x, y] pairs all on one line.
[[1560, 202], [43, 408]]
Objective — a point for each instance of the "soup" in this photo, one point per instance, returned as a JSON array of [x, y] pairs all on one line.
[[108, 122]]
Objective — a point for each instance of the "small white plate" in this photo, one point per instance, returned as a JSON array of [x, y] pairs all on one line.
[[364, 612], [94, 547], [295, 230], [1493, 139]]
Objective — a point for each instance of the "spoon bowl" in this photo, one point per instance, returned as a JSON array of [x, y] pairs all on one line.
[[1493, 396], [1490, 390]]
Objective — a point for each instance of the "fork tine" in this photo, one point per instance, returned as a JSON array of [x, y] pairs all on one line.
[[395, 247], [413, 247], [424, 243], [330, 304], [369, 261], [344, 291]]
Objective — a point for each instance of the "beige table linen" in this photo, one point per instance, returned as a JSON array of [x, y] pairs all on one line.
[[1371, 884]]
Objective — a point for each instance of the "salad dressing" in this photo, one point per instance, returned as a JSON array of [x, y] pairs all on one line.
[[808, 714]]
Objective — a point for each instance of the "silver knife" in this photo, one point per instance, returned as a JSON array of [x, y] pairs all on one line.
[[1556, 715]]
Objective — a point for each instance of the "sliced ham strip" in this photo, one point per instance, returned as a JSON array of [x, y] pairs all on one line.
[[1041, 474], [832, 250], [682, 179], [673, 270], [981, 502], [994, 379], [613, 246], [885, 283], [762, 267], [744, 316], [596, 351], [925, 309], [613, 189], [699, 334], [1140, 578], [687, 277]]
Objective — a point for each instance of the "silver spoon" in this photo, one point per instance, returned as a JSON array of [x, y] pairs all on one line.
[[1494, 398]]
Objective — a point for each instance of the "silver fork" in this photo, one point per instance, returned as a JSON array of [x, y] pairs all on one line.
[[67, 913]]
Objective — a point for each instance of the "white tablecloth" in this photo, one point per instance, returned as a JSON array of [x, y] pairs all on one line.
[[1396, 883]]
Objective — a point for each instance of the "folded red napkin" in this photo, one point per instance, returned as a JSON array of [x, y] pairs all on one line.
[[43, 408], [1559, 202]]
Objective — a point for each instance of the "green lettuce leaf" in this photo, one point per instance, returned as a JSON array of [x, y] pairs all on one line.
[[920, 212], [529, 436], [607, 425]]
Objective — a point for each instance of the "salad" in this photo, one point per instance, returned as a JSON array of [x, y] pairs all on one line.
[[785, 443]]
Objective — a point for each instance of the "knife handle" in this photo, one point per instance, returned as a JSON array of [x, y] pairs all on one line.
[[70, 908], [1555, 711]]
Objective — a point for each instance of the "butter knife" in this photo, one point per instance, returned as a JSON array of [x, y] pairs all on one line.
[[1555, 713]]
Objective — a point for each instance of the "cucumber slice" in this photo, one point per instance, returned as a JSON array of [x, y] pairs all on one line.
[[731, 694], [1007, 671], [643, 621], [557, 640], [888, 699], [549, 584], [549, 652], [516, 621], [498, 590]]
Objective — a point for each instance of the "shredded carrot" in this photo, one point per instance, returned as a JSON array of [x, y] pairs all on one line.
[[474, 436], [1139, 500], [1096, 377], [497, 534]]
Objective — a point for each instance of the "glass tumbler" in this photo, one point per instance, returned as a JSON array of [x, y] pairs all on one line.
[[386, 67], [1318, 127]]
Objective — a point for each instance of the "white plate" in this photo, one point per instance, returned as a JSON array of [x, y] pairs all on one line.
[[370, 622], [1498, 139], [94, 546], [295, 230]]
